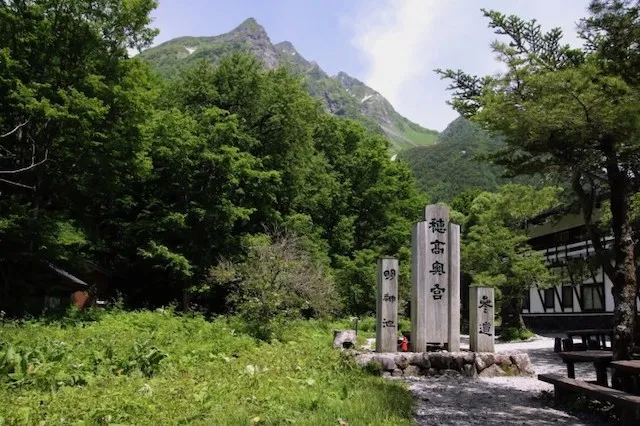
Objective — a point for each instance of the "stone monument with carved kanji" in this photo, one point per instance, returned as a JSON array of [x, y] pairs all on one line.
[[481, 319], [435, 276], [387, 306]]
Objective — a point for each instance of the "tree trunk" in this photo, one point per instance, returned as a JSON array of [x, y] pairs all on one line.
[[624, 277], [511, 309], [624, 270], [186, 300]]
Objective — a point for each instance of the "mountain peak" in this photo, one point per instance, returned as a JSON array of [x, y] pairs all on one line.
[[250, 26]]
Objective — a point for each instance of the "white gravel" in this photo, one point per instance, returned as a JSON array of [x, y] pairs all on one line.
[[456, 400]]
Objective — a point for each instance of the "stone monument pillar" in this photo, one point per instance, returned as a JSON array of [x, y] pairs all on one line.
[[481, 319], [438, 270], [418, 287], [387, 306], [454, 289]]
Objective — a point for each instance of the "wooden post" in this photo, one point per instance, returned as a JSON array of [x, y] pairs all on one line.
[[387, 306], [418, 287], [438, 270], [482, 319], [454, 288]]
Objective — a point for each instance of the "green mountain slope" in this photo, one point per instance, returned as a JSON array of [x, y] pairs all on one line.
[[451, 166], [405, 133], [342, 95]]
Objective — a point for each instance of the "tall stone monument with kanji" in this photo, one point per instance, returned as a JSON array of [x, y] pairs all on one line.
[[387, 306], [435, 275]]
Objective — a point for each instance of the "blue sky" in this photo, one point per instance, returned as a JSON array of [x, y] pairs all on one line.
[[392, 45]]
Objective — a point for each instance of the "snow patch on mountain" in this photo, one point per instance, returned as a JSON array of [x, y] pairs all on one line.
[[365, 98]]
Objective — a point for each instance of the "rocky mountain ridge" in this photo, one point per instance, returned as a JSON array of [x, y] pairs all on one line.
[[341, 95]]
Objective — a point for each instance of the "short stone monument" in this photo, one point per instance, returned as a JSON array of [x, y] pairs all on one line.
[[481, 319], [387, 305]]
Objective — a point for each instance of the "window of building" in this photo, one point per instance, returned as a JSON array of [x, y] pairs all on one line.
[[549, 298], [591, 297], [52, 302], [527, 300], [567, 296]]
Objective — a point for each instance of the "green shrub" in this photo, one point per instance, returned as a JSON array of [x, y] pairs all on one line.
[[510, 334], [277, 282], [368, 325]]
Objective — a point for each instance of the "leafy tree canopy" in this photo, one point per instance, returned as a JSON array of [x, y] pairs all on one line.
[[494, 244], [104, 163], [571, 113]]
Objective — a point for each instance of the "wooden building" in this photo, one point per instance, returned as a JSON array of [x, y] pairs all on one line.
[[66, 290], [583, 295], [44, 287]]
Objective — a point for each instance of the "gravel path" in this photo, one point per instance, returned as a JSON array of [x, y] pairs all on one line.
[[455, 400]]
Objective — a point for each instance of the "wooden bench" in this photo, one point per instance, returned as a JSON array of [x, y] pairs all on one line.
[[600, 359], [629, 372], [628, 404], [591, 338]]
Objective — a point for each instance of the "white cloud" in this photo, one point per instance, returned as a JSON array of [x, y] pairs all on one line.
[[402, 41], [390, 35]]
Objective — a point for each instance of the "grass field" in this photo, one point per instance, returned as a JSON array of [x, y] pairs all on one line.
[[160, 368], [420, 138]]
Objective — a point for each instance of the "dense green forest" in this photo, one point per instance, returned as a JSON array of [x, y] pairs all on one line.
[[459, 162], [159, 180]]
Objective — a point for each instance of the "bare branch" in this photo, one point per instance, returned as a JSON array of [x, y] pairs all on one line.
[[6, 150], [33, 150], [26, 169], [33, 188], [14, 130], [577, 98]]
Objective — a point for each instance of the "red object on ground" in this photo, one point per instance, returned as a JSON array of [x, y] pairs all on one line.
[[404, 346]]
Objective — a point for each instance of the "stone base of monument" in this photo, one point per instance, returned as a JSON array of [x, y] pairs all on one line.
[[469, 364], [436, 347]]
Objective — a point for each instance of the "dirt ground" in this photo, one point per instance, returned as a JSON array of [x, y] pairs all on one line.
[[455, 400]]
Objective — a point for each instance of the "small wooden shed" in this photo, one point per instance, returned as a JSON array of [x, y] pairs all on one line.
[[67, 289]]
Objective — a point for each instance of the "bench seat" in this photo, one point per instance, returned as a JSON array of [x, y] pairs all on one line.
[[628, 403]]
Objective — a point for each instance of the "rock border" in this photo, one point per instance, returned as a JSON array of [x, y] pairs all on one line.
[[468, 364]]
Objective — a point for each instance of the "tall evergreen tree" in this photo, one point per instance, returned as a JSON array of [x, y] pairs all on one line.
[[572, 113]]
